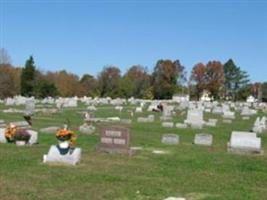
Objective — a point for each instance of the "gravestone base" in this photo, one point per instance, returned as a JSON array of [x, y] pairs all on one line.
[[33, 138], [243, 151], [71, 157], [115, 150], [50, 130], [2, 136]]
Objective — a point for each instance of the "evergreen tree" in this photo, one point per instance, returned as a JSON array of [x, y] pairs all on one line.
[[28, 77], [235, 79]]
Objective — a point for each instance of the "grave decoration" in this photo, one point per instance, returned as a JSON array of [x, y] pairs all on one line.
[[20, 136], [10, 133], [65, 152], [66, 136]]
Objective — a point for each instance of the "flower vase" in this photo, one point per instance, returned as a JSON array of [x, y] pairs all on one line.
[[64, 144]]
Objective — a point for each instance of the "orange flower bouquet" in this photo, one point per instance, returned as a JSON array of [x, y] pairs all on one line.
[[10, 132], [66, 135]]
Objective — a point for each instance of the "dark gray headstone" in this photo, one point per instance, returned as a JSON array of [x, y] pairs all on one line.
[[115, 140]]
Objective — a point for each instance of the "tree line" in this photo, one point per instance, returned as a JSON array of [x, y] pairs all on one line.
[[222, 80]]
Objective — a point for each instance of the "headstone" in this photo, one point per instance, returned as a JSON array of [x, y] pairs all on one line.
[[33, 138], [2, 123], [227, 121], [245, 118], [148, 119], [228, 115], [91, 108], [113, 119], [87, 129], [259, 125], [160, 152], [210, 123], [29, 107], [170, 139], [119, 108], [167, 124], [246, 111], [126, 121], [138, 110], [195, 118], [115, 140], [71, 157], [203, 139], [174, 198], [50, 130], [180, 125], [167, 113], [244, 142]]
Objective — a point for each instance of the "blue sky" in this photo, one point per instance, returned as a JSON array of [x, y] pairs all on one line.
[[83, 36]]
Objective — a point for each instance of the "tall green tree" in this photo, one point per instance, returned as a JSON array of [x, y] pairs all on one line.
[[235, 79], [137, 80], [166, 76], [28, 78], [108, 81], [89, 85], [43, 87]]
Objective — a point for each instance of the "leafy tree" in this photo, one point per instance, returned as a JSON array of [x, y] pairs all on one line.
[[198, 78], [208, 77], [9, 80], [125, 87], [235, 79], [108, 81], [148, 94], [28, 78], [244, 92], [256, 90], [67, 84], [43, 87], [6, 84], [138, 80], [264, 92], [166, 76], [214, 78], [89, 85]]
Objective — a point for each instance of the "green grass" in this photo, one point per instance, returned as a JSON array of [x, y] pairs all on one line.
[[188, 171]]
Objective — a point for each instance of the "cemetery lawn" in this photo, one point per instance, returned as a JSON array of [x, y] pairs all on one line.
[[186, 170]]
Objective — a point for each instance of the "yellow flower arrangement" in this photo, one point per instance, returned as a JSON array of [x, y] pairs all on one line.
[[65, 134], [10, 132]]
